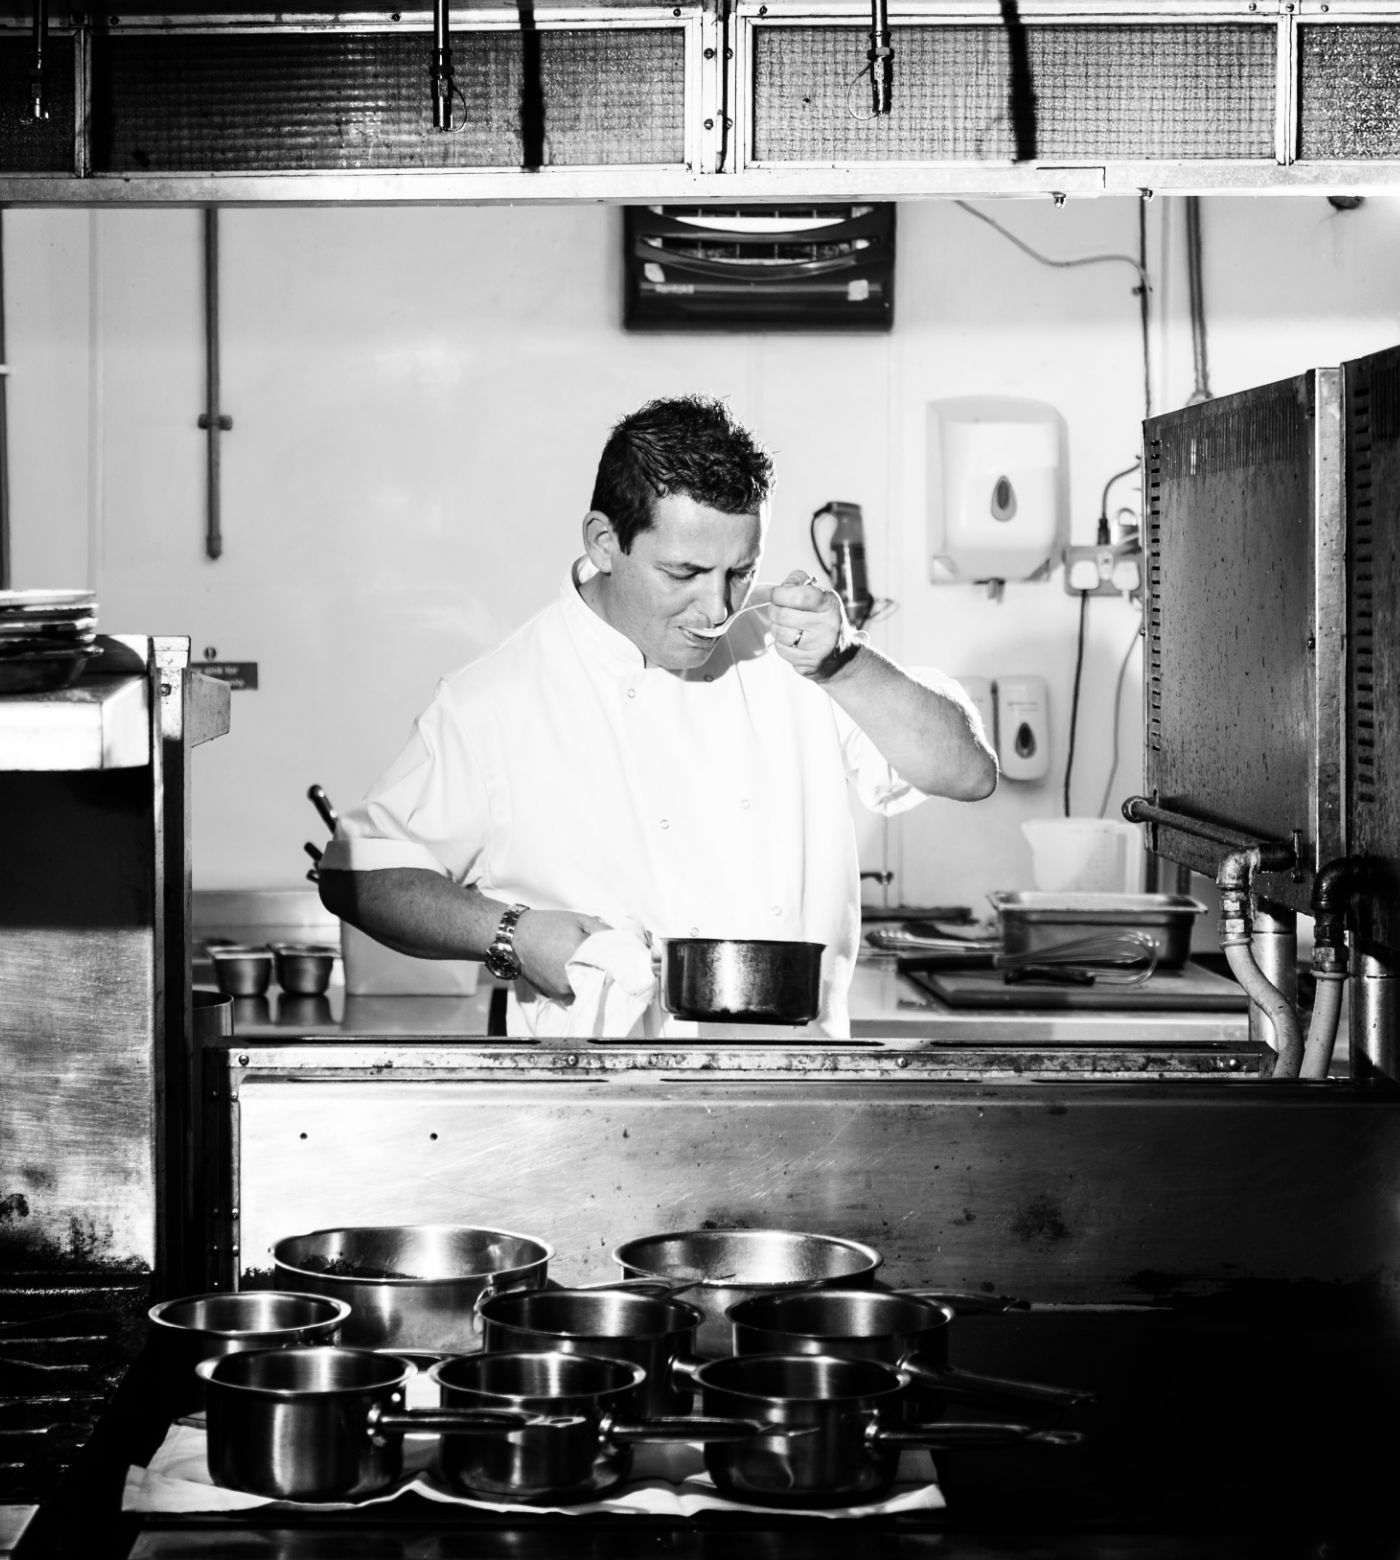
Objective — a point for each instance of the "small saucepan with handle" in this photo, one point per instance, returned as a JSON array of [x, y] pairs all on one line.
[[733, 980], [324, 1423], [835, 1429], [192, 1328], [655, 1332], [583, 1445], [905, 1331]]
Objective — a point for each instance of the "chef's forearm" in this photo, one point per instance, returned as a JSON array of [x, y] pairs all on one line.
[[414, 911], [931, 736]]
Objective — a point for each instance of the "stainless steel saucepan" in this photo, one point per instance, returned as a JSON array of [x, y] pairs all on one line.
[[835, 1429], [323, 1423], [721, 1267], [741, 981], [201, 1327], [903, 1331], [582, 1447], [650, 1331], [411, 1286]]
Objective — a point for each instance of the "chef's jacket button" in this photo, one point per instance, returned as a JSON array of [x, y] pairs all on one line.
[[777, 909], [631, 693], [665, 823], [695, 931], [744, 802]]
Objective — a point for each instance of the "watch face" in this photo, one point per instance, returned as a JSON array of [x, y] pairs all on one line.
[[502, 963]]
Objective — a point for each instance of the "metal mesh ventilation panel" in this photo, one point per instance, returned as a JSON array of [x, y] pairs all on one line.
[[272, 102], [1044, 91], [30, 145], [1348, 91]]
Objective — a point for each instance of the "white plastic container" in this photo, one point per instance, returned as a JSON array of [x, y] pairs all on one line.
[[1084, 855]]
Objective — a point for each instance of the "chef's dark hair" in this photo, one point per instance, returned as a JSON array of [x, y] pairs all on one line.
[[688, 444]]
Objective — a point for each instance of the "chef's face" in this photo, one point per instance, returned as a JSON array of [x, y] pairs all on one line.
[[690, 570]]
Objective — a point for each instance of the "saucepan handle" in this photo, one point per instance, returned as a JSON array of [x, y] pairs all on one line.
[[385, 1423], [963, 1303], [964, 1386], [946, 1438], [684, 1427]]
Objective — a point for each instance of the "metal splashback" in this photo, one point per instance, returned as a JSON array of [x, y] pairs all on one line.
[[1244, 674], [1373, 651]]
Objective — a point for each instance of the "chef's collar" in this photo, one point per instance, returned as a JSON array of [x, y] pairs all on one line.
[[614, 651]]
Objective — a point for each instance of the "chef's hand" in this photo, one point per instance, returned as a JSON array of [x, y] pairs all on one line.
[[546, 940], [810, 630]]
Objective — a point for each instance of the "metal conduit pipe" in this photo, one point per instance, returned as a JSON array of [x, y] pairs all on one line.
[[1273, 940], [1332, 890], [1375, 1021], [1233, 877]]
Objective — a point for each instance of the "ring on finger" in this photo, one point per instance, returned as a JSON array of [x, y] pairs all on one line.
[[798, 639]]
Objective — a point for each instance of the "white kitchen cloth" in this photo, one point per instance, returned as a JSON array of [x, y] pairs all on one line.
[[667, 1481], [614, 984]]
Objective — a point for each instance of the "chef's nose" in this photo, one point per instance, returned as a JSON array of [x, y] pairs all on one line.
[[717, 599]]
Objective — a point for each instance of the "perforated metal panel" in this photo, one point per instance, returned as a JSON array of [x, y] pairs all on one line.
[[1373, 557], [1349, 91], [1235, 531], [186, 103], [29, 145], [1047, 92]]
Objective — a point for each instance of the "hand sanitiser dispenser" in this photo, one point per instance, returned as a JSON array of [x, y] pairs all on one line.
[[996, 483]]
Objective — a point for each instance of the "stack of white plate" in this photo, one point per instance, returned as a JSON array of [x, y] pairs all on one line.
[[46, 638]]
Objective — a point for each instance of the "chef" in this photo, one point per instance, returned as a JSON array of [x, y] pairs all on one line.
[[639, 761]]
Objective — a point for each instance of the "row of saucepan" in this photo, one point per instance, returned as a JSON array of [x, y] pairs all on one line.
[[811, 1378]]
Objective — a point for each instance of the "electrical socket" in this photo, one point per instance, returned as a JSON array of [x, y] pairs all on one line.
[[1113, 569]]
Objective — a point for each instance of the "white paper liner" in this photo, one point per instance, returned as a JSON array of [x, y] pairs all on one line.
[[667, 1481]]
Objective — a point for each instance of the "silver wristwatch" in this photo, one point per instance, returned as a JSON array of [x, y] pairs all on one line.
[[501, 958]]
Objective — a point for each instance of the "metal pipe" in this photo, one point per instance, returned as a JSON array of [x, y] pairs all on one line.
[[1375, 1037], [881, 57], [214, 422], [1233, 877], [38, 44], [1332, 890], [1137, 809], [1273, 940], [440, 72]]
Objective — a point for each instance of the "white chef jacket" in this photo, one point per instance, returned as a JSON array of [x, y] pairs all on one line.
[[561, 771]]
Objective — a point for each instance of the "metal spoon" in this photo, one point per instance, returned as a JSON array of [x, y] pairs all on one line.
[[714, 633]]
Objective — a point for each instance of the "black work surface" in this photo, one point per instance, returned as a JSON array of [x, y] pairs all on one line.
[[1189, 989], [1264, 1428]]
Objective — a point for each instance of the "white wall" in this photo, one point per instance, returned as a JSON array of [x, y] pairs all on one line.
[[419, 396]]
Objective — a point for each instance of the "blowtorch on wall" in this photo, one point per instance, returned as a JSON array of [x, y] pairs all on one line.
[[840, 549]]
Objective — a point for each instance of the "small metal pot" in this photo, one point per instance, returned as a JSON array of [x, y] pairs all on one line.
[[321, 1423], [722, 1267], [583, 1445], [834, 1429], [655, 1333], [201, 1327], [741, 981], [242, 971], [304, 969], [904, 1331], [411, 1286]]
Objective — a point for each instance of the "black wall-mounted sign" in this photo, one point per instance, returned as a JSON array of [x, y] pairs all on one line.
[[237, 674]]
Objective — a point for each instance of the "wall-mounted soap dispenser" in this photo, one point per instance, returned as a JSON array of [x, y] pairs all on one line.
[[996, 489], [1023, 727]]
